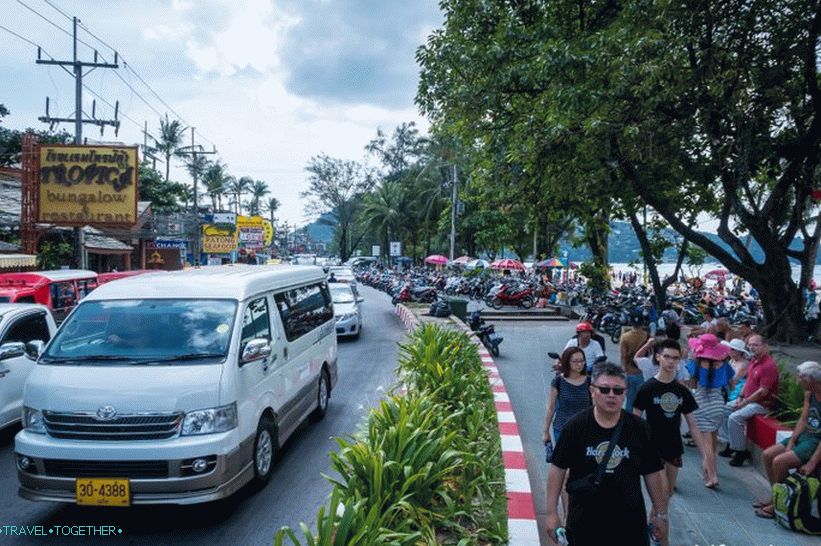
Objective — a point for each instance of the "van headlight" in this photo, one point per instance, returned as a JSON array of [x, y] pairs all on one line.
[[33, 420], [210, 421]]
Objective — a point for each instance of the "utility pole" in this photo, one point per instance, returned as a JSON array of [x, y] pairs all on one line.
[[453, 214], [78, 120], [194, 150]]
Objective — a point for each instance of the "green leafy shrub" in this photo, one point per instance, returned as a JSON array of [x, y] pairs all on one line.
[[427, 467], [790, 396]]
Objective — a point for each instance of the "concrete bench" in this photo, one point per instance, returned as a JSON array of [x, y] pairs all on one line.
[[764, 431]]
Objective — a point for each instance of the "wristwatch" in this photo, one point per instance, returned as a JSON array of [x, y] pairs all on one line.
[[660, 515]]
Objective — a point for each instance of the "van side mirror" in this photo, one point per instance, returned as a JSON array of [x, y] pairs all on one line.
[[256, 349], [35, 348], [12, 350]]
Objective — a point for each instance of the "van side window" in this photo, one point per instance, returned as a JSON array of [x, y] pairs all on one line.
[[303, 309], [255, 322], [28, 329], [62, 295]]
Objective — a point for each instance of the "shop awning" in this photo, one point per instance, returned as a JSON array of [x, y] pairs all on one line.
[[12, 261]]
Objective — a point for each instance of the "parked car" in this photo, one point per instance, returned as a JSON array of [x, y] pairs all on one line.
[[180, 390], [347, 308], [20, 325]]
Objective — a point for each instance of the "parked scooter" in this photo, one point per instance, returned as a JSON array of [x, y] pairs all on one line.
[[504, 294], [485, 332]]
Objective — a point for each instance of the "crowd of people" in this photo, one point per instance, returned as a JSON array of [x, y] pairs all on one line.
[[608, 425]]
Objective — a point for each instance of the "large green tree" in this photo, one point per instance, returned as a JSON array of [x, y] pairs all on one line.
[[336, 188], [691, 108]]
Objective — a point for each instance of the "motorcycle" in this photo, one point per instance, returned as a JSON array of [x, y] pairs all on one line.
[[485, 332], [503, 294]]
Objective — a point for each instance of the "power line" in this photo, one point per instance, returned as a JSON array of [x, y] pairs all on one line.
[[64, 14]]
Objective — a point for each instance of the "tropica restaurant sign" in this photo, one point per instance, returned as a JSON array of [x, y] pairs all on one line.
[[88, 185]]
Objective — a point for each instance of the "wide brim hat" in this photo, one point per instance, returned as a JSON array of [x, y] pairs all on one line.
[[708, 346], [738, 344]]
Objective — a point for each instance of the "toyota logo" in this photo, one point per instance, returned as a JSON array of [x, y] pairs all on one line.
[[106, 413]]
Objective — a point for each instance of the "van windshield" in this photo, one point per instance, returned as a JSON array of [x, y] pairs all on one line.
[[156, 331]]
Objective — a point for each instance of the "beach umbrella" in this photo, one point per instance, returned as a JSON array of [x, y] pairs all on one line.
[[716, 274], [476, 264], [507, 264], [436, 259], [551, 262]]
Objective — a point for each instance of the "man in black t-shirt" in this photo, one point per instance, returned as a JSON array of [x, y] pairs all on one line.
[[616, 512], [664, 400]]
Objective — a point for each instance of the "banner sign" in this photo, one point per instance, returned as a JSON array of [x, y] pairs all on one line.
[[216, 240], [395, 249], [87, 185], [166, 244], [255, 232], [375, 249]]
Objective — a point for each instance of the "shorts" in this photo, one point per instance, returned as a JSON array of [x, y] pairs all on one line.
[[804, 446], [677, 461]]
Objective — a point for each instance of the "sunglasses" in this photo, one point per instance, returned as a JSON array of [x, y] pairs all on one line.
[[618, 391]]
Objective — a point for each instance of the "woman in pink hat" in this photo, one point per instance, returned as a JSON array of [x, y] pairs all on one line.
[[710, 376]]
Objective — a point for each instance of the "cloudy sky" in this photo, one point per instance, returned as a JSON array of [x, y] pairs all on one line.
[[270, 83]]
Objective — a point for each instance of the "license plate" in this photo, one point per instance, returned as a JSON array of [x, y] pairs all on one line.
[[103, 491]]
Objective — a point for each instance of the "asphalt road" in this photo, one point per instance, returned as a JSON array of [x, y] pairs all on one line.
[[297, 488]]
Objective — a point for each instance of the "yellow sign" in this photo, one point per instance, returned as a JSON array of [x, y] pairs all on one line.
[[216, 240], [88, 185], [250, 223]]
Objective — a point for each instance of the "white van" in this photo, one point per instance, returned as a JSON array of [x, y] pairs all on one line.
[[178, 388]]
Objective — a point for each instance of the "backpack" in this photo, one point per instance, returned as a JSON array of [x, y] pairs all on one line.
[[796, 503], [440, 309]]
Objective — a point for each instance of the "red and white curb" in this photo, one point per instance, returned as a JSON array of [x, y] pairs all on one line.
[[521, 523]]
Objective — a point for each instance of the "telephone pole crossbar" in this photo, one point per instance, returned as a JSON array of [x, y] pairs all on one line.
[[194, 150], [78, 120]]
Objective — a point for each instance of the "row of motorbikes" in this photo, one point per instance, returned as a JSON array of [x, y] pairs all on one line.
[[415, 288]]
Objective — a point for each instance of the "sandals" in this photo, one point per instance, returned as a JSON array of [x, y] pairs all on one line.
[[761, 503], [764, 513], [711, 485]]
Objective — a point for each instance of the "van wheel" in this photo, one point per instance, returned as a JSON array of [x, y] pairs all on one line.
[[323, 396], [265, 448]]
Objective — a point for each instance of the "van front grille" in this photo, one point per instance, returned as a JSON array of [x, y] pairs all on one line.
[[87, 426], [106, 469]]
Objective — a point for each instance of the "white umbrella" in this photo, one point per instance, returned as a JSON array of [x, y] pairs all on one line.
[[477, 264]]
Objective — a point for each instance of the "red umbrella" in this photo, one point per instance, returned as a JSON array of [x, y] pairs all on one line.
[[507, 264], [716, 274], [436, 259]]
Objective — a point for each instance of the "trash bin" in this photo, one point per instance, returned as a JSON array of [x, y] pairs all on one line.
[[459, 307]]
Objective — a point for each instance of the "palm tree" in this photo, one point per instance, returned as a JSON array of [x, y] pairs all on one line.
[[170, 141], [384, 211], [271, 206], [216, 178], [259, 189], [238, 186]]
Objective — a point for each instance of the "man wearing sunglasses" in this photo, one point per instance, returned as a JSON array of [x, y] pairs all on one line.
[[615, 510]]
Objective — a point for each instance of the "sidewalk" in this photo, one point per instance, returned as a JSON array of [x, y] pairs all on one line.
[[698, 516]]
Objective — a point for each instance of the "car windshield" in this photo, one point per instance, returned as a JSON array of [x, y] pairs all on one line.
[[161, 331], [341, 293]]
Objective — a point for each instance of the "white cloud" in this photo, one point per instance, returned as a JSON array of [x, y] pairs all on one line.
[[222, 65]]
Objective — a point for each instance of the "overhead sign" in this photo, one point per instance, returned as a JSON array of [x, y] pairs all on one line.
[[87, 185], [396, 249]]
